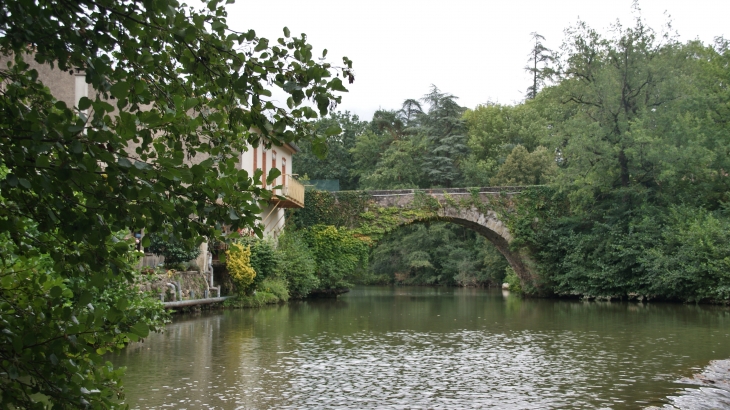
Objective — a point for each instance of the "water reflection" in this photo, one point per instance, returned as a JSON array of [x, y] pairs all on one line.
[[427, 348]]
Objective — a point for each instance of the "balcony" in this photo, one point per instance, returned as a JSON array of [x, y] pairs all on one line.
[[291, 191]]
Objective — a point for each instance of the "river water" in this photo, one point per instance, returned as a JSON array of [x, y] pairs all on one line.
[[417, 347]]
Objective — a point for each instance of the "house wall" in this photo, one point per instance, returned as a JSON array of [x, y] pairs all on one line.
[[272, 217], [66, 86]]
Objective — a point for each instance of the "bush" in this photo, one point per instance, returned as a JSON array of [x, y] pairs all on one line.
[[514, 281], [296, 264], [264, 258], [255, 300], [337, 253], [238, 262], [175, 252], [693, 260], [275, 286]]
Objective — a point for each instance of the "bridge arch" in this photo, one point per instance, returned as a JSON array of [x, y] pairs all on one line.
[[373, 214]]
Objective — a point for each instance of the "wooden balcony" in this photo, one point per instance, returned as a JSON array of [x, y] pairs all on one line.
[[291, 191]]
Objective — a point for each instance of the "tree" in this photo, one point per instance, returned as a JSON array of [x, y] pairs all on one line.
[[176, 96], [338, 162], [527, 168], [538, 65], [445, 134], [399, 167], [626, 91], [494, 130]]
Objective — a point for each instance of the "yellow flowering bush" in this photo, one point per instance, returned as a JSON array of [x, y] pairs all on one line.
[[238, 260]]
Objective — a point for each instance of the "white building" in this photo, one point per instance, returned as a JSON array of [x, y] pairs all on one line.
[[291, 192]]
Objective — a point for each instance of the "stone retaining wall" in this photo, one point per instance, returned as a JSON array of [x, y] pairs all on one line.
[[191, 283]]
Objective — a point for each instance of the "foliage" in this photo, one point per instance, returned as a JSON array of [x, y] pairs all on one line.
[[238, 262], [494, 131], [338, 162], [526, 168], [400, 166], [297, 264], [437, 254], [693, 260], [510, 277], [338, 209], [445, 133], [90, 316], [538, 65], [337, 253], [255, 300], [174, 251], [277, 287], [264, 258], [175, 96]]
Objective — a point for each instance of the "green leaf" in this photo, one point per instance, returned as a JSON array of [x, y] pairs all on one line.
[[140, 329], [42, 161], [56, 292], [190, 103], [124, 162], [273, 174], [84, 103], [336, 85], [76, 147], [74, 129], [287, 33], [120, 90], [12, 180], [333, 130]]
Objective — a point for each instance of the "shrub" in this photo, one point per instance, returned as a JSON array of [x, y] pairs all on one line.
[[338, 254], [693, 259], [255, 300], [275, 286], [238, 262], [174, 251], [296, 264], [264, 258], [514, 281]]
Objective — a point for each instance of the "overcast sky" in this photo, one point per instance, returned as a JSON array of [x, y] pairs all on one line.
[[476, 50]]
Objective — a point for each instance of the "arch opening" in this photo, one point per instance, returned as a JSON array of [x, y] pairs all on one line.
[[441, 250]]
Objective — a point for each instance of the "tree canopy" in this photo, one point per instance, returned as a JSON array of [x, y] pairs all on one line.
[[176, 96]]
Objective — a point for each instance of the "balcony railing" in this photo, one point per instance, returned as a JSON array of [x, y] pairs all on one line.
[[292, 191]]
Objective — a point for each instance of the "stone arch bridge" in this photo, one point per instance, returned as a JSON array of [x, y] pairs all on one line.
[[375, 213]]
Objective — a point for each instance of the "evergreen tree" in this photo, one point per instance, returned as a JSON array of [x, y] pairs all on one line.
[[445, 134], [538, 65]]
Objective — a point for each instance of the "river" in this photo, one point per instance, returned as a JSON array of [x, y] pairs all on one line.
[[418, 347]]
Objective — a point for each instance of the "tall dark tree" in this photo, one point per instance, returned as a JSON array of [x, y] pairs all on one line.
[[538, 65], [444, 130]]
